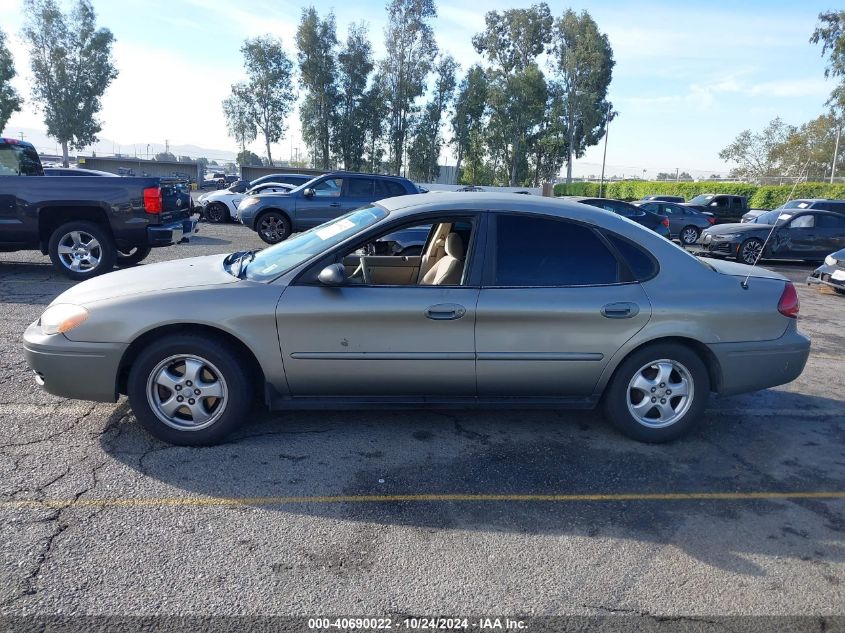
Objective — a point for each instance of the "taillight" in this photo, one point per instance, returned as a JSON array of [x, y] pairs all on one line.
[[711, 219], [665, 222], [789, 304], [152, 200]]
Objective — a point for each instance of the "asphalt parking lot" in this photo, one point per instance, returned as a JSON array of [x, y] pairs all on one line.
[[415, 512]]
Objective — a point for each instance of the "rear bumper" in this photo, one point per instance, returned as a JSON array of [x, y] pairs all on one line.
[[761, 364], [173, 233], [70, 369]]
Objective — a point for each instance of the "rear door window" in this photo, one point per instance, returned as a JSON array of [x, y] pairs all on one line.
[[542, 252], [831, 222], [389, 188], [19, 160], [360, 187]]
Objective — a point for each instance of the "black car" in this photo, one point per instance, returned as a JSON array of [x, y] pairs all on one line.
[[831, 273], [787, 234], [685, 223], [657, 223]]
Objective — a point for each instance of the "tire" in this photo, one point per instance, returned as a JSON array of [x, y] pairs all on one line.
[[689, 235], [217, 213], [133, 256], [208, 419], [749, 251], [680, 413], [81, 250], [273, 227]]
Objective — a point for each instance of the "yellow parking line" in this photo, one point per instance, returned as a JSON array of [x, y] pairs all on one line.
[[411, 498]]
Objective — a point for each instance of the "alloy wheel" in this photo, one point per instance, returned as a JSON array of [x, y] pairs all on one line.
[[272, 228], [660, 393], [689, 235], [80, 251], [187, 392], [751, 251]]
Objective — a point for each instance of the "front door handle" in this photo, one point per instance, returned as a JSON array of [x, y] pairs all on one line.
[[622, 310], [334, 204], [445, 312]]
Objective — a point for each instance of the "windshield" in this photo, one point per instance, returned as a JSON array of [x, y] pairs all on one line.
[[772, 217], [277, 260], [702, 199], [798, 204]]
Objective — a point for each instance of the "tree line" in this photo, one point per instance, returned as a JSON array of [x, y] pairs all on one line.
[[536, 103]]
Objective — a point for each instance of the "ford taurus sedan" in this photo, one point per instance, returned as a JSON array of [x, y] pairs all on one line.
[[515, 301]]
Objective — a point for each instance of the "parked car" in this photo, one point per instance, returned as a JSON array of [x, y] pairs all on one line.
[[753, 214], [685, 223], [791, 234], [726, 208], [822, 204], [214, 180], [831, 273], [662, 198], [407, 242], [657, 223], [473, 188], [87, 224], [275, 216], [222, 205], [76, 171], [517, 301]]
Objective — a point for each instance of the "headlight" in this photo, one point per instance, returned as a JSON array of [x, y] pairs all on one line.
[[62, 318], [725, 236], [248, 202], [830, 261]]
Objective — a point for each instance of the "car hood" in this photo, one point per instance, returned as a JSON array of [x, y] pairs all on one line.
[[736, 269], [736, 227], [180, 273], [839, 255]]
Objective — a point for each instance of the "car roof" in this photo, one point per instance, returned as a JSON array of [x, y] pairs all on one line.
[[496, 201], [361, 173]]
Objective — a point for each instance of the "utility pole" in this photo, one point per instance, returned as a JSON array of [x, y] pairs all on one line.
[[21, 135], [677, 170], [835, 152], [604, 157]]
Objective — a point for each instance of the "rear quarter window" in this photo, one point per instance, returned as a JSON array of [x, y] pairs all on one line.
[[641, 264]]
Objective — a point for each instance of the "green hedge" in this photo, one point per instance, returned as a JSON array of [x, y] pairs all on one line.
[[765, 197]]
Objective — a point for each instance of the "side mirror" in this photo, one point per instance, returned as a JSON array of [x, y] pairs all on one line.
[[332, 275], [308, 193]]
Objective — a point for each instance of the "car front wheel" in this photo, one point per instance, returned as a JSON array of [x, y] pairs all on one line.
[[217, 213], [689, 235], [190, 390], [273, 227], [658, 393], [750, 251]]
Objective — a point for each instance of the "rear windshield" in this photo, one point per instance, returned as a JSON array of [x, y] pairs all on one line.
[[19, 160]]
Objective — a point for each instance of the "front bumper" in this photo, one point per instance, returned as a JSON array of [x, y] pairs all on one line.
[[824, 275], [71, 369], [751, 366], [167, 234], [714, 245]]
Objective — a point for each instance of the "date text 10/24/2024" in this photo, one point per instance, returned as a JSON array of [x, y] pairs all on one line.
[[417, 623]]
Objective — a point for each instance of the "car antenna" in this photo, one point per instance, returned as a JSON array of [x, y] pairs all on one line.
[[801, 174]]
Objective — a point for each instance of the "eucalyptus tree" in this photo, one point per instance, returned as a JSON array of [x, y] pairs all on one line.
[[10, 100], [424, 155], [72, 66], [469, 116], [240, 119], [355, 63]]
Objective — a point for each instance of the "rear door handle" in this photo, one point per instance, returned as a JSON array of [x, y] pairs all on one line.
[[622, 310], [334, 204], [445, 312]]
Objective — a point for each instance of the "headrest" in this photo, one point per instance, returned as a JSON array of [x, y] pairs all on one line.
[[454, 246]]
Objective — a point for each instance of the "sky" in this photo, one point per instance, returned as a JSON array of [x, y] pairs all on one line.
[[689, 76]]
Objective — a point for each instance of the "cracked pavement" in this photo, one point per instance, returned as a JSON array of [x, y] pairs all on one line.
[[643, 558]]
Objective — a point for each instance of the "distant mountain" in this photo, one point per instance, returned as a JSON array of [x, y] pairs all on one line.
[[107, 147]]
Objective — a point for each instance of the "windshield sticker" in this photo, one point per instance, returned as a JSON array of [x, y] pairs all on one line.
[[331, 230], [784, 216], [803, 205]]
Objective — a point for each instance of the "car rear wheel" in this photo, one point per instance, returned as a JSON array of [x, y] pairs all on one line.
[[273, 227], [81, 250], [689, 235], [217, 213], [750, 251], [132, 256], [190, 390], [658, 393]]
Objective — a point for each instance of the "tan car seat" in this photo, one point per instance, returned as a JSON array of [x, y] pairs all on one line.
[[448, 269]]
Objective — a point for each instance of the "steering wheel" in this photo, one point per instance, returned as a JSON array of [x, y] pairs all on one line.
[[364, 270]]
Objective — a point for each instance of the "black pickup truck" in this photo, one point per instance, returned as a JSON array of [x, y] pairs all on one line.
[[87, 224]]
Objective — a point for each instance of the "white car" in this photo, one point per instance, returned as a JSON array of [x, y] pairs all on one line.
[[222, 206]]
